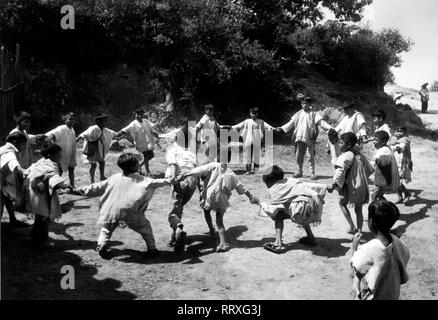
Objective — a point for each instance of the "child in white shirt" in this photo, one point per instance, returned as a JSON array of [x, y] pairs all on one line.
[[209, 131], [379, 265], [65, 137], [252, 131], [125, 198], [102, 136], [142, 132], [218, 181]]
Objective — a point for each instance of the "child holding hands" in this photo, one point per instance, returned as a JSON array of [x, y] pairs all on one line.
[[352, 170], [218, 181], [125, 198]]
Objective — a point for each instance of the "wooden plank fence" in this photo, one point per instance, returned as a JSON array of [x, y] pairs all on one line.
[[10, 81]]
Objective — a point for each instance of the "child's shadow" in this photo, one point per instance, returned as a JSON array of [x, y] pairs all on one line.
[[325, 247]]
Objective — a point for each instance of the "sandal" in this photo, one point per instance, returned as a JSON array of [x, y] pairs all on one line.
[[270, 246], [222, 248]]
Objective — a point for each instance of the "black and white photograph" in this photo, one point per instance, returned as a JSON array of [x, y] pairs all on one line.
[[219, 150]]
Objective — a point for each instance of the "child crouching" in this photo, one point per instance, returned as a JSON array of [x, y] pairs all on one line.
[[291, 199], [42, 183], [126, 196]]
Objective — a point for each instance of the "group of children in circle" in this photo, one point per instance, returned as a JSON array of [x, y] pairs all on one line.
[[32, 187]]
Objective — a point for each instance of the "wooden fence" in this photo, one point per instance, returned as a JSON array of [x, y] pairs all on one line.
[[10, 81]]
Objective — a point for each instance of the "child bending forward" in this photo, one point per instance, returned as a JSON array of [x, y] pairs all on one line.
[[379, 265], [42, 183], [218, 182], [352, 170], [291, 199], [126, 196]]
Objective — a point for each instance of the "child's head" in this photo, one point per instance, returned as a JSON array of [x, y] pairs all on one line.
[[382, 215], [306, 103], [333, 136], [400, 132], [381, 139], [69, 119], [254, 112], [101, 119], [18, 139], [22, 118], [129, 163], [347, 142], [349, 107], [51, 151], [209, 109], [272, 175], [139, 114], [379, 117]]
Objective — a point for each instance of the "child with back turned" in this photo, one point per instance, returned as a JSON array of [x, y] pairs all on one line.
[[379, 265], [352, 170], [125, 198]]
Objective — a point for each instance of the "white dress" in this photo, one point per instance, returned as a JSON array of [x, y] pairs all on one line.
[[94, 133]]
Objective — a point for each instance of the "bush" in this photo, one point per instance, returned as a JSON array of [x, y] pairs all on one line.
[[352, 55]]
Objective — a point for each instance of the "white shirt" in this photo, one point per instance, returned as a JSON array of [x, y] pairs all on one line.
[[181, 157], [208, 126], [65, 137], [142, 133], [355, 124]]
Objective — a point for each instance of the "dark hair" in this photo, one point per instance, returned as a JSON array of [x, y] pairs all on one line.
[[254, 110], [100, 116], [379, 114], [382, 135], [16, 138], [68, 115], [333, 136], [20, 116], [349, 138], [401, 129], [50, 149], [138, 111], [127, 162], [273, 174], [348, 104], [383, 215], [308, 99], [208, 107]]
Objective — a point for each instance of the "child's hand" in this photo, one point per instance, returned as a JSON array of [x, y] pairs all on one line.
[[356, 240], [254, 200]]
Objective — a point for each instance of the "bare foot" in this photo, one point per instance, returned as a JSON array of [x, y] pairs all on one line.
[[222, 248]]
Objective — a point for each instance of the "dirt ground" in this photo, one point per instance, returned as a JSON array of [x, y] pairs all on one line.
[[247, 271]]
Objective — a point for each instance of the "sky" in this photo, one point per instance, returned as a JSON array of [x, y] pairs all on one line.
[[418, 20]]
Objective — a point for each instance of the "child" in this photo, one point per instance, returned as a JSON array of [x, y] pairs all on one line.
[[386, 178], [291, 199], [42, 183], [143, 133], [305, 124], [65, 137], [379, 266], [126, 196], [353, 121], [252, 131], [379, 117], [22, 119], [11, 175], [402, 153], [352, 170], [209, 128], [180, 160], [102, 136], [218, 181]]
